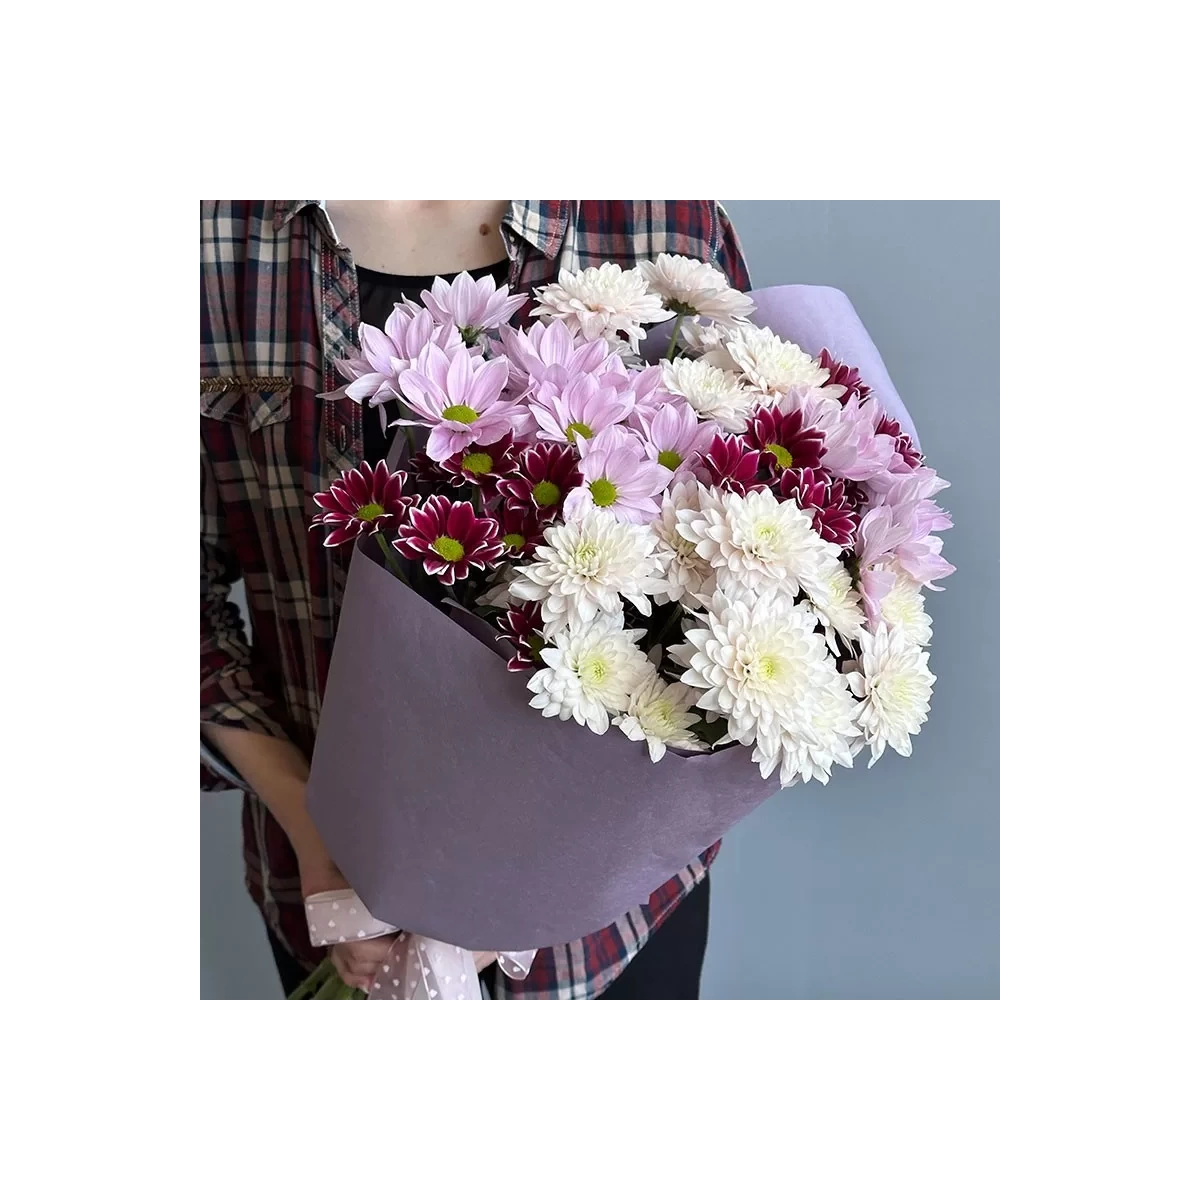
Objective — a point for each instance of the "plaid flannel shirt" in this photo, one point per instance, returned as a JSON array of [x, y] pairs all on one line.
[[279, 302]]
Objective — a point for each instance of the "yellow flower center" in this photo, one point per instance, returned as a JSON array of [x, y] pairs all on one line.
[[783, 456], [449, 548], [477, 463], [603, 492], [514, 541], [669, 459], [463, 413], [546, 494], [369, 512], [577, 427]]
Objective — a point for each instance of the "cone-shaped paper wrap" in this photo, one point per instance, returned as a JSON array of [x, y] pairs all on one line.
[[458, 811]]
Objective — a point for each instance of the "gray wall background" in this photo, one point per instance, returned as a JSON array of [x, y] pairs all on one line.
[[886, 883]]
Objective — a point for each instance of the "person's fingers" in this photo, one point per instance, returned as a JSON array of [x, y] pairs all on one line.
[[352, 976]]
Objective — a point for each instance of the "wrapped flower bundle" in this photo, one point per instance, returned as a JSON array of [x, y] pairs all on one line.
[[602, 606]]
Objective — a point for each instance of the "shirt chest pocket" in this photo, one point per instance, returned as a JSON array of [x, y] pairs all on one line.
[[255, 402]]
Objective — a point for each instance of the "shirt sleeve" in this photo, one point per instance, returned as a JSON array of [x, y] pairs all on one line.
[[229, 692], [729, 256]]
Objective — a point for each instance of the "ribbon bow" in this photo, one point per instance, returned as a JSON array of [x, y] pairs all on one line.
[[416, 968]]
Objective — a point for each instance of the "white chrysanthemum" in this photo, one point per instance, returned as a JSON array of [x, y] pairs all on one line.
[[716, 395], [587, 565], [894, 684], [497, 595], [688, 576], [838, 605], [826, 736], [695, 289], [756, 543], [903, 608], [707, 343], [602, 302], [771, 364], [760, 660], [590, 673], [660, 715]]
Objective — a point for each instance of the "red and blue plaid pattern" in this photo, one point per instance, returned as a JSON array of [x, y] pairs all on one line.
[[279, 302]]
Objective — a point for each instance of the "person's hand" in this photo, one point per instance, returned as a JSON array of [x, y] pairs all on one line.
[[356, 962], [359, 962]]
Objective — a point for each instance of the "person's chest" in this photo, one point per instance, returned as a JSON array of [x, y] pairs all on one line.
[[419, 237]]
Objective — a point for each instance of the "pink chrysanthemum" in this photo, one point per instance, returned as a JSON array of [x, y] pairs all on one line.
[[361, 501], [650, 393], [847, 378], [552, 353], [471, 305], [374, 373], [731, 464], [913, 458], [618, 477], [833, 514], [674, 435], [522, 627], [520, 530], [785, 439], [582, 408], [484, 466], [458, 397], [448, 538], [548, 472]]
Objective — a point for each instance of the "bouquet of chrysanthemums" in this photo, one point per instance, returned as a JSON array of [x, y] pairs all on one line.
[[715, 560]]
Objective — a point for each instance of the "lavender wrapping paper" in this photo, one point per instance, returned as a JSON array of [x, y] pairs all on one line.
[[457, 811], [815, 318]]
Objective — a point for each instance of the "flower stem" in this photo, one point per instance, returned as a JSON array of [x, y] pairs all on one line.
[[389, 555], [674, 338]]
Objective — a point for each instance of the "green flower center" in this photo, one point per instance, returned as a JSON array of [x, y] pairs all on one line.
[[449, 548], [670, 459], [460, 412], [477, 463], [577, 427], [603, 492], [546, 494], [514, 541], [369, 512], [783, 456], [470, 333], [593, 670]]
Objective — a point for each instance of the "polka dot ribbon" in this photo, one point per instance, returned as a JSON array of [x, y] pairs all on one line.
[[417, 968]]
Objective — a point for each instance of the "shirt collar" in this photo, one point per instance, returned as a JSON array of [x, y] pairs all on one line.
[[542, 223]]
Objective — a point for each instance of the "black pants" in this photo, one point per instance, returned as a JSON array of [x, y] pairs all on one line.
[[666, 968]]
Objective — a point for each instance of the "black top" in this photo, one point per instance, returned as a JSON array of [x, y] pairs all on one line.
[[378, 294]]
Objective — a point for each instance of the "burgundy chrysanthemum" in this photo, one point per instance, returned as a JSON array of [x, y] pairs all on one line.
[[484, 466], [785, 440], [855, 493], [833, 515], [904, 446], [547, 472], [449, 538], [362, 500], [848, 377], [522, 626], [520, 529], [424, 470], [732, 464]]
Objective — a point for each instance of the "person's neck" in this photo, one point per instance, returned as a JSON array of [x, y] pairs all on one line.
[[420, 237]]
